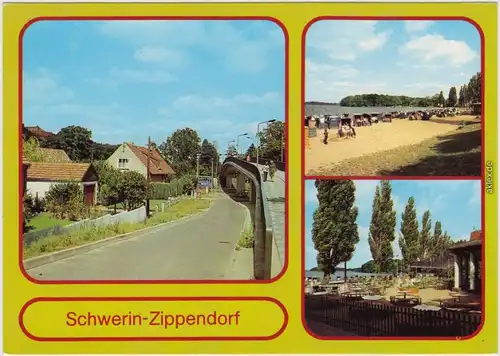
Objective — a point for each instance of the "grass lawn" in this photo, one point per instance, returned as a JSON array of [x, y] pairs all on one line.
[[454, 154], [45, 220], [54, 243]]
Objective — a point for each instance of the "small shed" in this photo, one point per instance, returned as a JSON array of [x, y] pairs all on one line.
[[41, 175]]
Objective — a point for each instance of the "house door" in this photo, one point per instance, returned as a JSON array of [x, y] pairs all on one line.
[[88, 194]]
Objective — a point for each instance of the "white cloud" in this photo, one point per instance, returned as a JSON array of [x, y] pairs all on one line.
[[214, 103], [94, 113], [42, 87], [324, 82], [215, 115], [431, 48], [150, 54], [412, 26], [346, 40], [141, 76], [161, 41]]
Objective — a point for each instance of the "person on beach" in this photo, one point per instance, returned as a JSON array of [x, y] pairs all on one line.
[[325, 136], [265, 171]]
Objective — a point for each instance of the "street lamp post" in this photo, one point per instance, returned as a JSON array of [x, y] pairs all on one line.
[[257, 135], [229, 145], [238, 142]]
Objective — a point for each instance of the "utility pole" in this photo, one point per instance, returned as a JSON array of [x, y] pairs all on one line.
[[148, 176], [197, 165], [212, 159]]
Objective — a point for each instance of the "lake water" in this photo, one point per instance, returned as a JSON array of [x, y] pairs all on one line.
[[339, 274], [338, 110]]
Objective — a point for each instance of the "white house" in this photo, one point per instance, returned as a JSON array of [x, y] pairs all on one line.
[[41, 175], [135, 158]]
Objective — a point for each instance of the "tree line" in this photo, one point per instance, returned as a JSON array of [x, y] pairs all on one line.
[[272, 143], [467, 94], [335, 231]]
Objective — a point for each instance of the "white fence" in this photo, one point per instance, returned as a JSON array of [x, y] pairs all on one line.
[[125, 217]]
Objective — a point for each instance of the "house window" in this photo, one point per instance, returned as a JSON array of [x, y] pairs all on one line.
[[122, 163]]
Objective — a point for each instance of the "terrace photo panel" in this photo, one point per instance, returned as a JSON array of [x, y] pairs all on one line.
[[393, 98], [153, 150], [401, 258]]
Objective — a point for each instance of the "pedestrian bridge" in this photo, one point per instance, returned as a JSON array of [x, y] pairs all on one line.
[[233, 174]]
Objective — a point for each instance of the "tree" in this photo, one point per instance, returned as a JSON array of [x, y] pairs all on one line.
[[382, 227], [461, 97], [409, 234], [231, 151], [32, 151], [452, 97], [334, 232], [180, 150], [251, 151], [441, 100], [425, 236], [132, 189], [208, 155], [440, 242], [74, 140], [272, 141], [108, 179]]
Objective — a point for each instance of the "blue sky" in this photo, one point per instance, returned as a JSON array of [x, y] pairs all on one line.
[[415, 58], [456, 203], [126, 80]]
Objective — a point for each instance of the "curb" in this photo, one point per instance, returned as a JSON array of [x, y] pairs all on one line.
[[38, 261], [248, 221]]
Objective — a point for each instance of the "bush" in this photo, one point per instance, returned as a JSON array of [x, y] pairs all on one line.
[[28, 209], [177, 187], [133, 189], [65, 201]]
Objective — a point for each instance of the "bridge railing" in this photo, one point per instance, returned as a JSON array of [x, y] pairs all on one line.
[[280, 166], [264, 238]]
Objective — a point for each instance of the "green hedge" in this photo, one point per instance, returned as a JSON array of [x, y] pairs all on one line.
[[176, 187]]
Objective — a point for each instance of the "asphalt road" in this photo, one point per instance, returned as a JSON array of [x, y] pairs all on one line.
[[200, 247]]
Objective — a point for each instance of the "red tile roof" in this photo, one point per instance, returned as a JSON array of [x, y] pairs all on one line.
[[39, 132], [476, 235], [157, 164], [54, 155], [57, 172]]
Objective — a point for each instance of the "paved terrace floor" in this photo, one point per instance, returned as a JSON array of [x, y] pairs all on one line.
[[275, 192], [200, 247]]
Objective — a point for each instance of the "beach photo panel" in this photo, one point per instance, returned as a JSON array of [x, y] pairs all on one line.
[[393, 97]]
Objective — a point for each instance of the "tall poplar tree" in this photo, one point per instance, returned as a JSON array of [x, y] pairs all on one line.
[[382, 228], [409, 234], [334, 231], [425, 236]]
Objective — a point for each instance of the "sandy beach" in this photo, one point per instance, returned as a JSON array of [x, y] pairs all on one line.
[[372, 139]]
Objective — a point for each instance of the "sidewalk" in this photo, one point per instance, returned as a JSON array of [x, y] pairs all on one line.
[[275, 193]]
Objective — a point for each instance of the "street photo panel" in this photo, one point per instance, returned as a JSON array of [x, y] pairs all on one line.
[[393, 98], [153, 150], [393, 258]]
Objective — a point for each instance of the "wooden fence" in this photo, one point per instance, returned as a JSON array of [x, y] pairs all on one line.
[[366, 318]]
